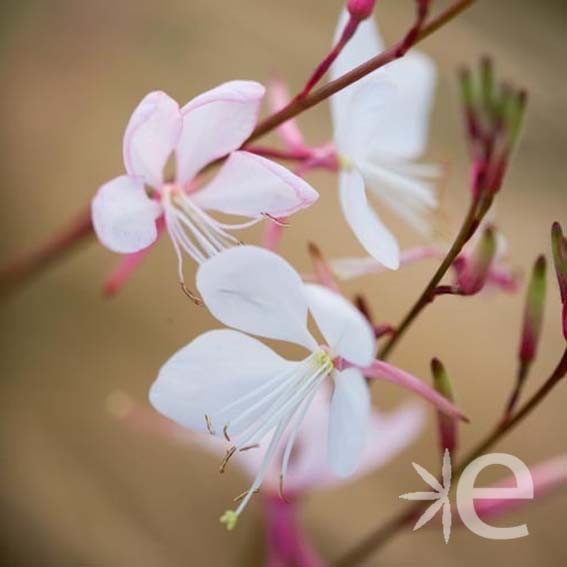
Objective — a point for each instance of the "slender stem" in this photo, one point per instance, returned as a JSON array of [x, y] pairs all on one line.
[[300, 104], [468, 227], [21, 269], [384, 533]]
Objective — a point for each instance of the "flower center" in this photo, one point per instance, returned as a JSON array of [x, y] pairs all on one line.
[[192, 230], [274, 407]]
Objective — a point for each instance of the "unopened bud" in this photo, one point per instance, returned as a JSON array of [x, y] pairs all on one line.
[[474, 276], [447, 425], [360, 9], [559, 247], [533, 313]]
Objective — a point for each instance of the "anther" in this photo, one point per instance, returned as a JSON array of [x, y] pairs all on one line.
[[275, 220], [194, 298], [227, 457], [248, 447], [209, 423], [244, 494], [281, 490], [225, 432]]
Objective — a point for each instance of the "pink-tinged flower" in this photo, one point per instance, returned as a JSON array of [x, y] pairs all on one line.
[[234, 386], [380, 128], [214, 124]]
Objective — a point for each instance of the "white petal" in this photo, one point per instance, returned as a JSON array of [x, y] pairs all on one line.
[[411, 198], [124, 217], [258, 292], [377, 240], [150, 137], [210, 373], [249, 185], [402, 132], [348, 421], [365, 44], [216, 123], [345, 329]]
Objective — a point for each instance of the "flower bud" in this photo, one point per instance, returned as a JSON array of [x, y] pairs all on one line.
[[533, 313], [447, 425], [360, 9], [559, 248], [473, 277]]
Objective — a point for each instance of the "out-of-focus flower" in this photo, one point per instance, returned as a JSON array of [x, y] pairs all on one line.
[[209, 127], [308, 470], [380, 128], [234, 386]]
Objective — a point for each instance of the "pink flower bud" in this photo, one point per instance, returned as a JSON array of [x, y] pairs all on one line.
[[533, 313], [447, 425], [360, 9], [475, 273]]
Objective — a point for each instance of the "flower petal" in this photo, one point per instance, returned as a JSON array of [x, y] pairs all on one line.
[[258, 292], [365, 223], [210, 373], [365, 43], [124, 217], [345, 329], [216, 123], [348, 421], [150, 137], [249, 185], [402, 131]]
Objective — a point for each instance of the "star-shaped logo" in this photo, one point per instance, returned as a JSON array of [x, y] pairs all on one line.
[[440, 496]]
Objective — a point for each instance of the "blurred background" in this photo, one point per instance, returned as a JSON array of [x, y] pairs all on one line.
[[78, 488]]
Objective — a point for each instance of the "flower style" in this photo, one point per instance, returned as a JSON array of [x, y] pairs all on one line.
[[232, 385], [126, 211], [380, 127]]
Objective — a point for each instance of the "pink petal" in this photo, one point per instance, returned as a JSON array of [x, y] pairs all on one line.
[[216, 123], [249, 185], [384, 371], [289, 131], [150, 137]]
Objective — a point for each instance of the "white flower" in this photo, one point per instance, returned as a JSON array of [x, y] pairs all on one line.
[[234, 386], [212, 125], [380, 126]]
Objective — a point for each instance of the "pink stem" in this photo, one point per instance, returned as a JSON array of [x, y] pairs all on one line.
[[285, 538], [384, 371], [22, 269]]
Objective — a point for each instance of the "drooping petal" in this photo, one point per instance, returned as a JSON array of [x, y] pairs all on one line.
[[249, 185], [345, 329], [216, 123], [150, 137], [124, 217], [349, 419], [365, 43], [258, 292], [377, 240], [210, 373]]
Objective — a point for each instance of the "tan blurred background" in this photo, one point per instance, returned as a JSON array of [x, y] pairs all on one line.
[[79, 489]]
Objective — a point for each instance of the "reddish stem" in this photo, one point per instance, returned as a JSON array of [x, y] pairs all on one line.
[[62, 243]]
